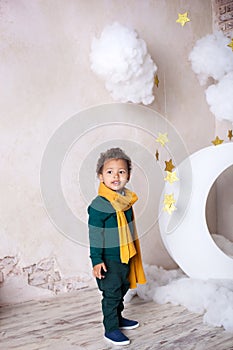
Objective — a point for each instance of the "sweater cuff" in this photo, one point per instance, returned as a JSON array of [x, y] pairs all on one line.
[[96, 261]]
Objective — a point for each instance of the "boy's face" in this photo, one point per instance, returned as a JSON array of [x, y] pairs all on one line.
[[115, 174]]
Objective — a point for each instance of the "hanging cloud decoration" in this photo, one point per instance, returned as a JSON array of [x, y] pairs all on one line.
[[212, 58], [120, 57], [220, 98]]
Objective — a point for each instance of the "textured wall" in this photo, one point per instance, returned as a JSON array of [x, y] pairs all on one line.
[[46, 79]]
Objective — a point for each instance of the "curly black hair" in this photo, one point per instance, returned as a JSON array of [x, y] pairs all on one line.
[[112, 153]]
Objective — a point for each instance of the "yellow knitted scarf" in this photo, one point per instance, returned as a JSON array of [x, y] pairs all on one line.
[[129, 248]]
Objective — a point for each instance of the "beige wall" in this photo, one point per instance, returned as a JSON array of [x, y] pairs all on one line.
[[46, 79]]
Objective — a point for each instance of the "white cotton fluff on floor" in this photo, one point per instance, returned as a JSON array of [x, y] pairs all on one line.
[[212, 298], [120, 58]]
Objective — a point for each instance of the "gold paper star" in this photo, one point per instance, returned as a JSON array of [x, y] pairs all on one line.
[[230, 134], [217, 141], [171, 177], [156, 80], [157, 155], [183, 18], [169, 208], [169, 165], [162, 138], [231, 44], [169, 201]]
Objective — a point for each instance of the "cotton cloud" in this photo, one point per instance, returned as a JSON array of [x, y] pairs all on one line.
[[212, 298], [120, 58], [220, 98], [211, 57]]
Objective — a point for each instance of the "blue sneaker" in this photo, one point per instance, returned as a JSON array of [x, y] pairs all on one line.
[[116, 338], [124, 323]]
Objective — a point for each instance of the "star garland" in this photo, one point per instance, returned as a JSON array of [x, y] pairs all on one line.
[[169, 203], [217, 141], [156, 80], [183, 18], [231, 44], [171, 176], [169, 165], [162, 139]]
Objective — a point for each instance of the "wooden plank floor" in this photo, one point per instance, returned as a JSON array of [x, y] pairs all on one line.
[[73, 321]]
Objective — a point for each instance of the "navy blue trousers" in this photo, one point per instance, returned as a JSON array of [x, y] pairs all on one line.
[[113, 287]]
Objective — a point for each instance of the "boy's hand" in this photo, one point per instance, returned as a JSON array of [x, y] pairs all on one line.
[[98, 270]]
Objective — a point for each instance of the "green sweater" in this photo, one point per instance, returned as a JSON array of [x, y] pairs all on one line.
[[103, 231]]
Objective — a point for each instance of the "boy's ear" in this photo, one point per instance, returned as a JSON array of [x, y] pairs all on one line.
[[101, 177]]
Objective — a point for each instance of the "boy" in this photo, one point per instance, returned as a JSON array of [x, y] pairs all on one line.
[[114, 245]]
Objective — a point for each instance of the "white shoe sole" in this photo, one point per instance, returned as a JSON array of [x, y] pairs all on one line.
[[126, 342], [130, 327]]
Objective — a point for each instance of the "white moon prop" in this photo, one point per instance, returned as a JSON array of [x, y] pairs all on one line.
[[185, 232]]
